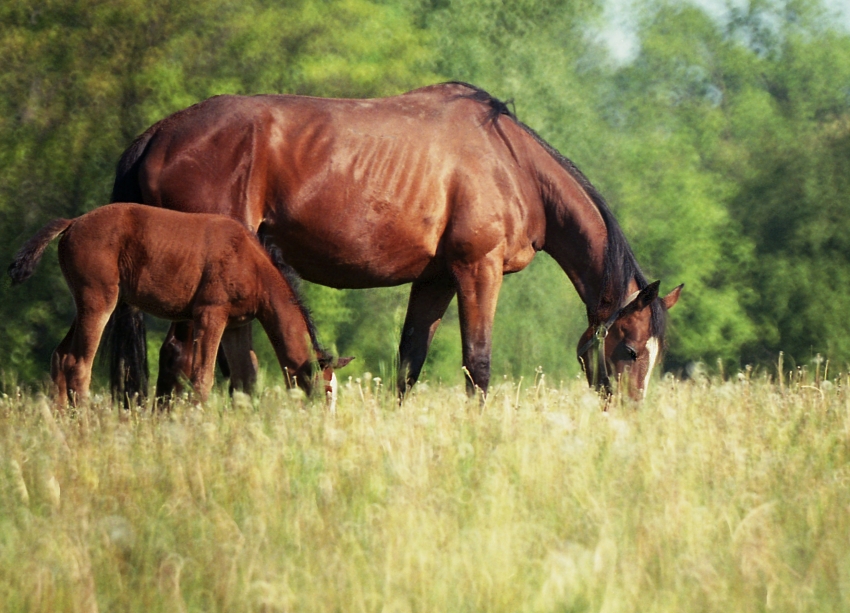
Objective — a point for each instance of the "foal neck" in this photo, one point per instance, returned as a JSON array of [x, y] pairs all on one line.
[[285, 322]]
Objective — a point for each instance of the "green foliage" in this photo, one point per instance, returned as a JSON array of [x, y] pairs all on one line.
[[722, 147], [82, 79]]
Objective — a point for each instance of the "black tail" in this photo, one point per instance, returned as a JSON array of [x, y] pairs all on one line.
[[28, 256], [125, 336], [126, 346], [126, 187]]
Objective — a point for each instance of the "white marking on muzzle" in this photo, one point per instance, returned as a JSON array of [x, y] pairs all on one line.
[[652, 347], [332, 394]]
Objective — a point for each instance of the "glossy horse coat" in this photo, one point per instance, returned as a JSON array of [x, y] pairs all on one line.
[[441, 187], [208, 269]]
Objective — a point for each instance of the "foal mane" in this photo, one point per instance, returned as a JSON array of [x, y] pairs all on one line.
[[294, 281], [620, 263]]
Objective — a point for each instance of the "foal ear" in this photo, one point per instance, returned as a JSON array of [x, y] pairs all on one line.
[[341, 362], [673, 297]]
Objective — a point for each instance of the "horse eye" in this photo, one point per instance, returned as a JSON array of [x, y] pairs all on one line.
[[632, 353]]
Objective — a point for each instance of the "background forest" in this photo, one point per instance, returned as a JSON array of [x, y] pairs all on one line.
[[721, 140]]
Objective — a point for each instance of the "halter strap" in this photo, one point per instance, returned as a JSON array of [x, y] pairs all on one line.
[[597, 341], [600, 332]]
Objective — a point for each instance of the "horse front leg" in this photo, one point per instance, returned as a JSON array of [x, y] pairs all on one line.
[[426, 306], [208, 324], [241, 359], [478, 286]]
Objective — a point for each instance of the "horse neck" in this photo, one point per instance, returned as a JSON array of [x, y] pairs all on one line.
[[577, 238], [286, 325]]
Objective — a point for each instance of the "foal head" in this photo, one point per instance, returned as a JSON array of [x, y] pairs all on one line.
[[630, 347], [327, 377]]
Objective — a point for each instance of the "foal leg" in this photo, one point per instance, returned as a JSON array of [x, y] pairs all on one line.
[[478, 291], [94, 306], [58, 362], [426, 306], [237, 345], [175, 359], [209, 326]]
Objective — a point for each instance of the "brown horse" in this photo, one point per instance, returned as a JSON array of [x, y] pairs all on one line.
[[208, 269], [442, 187]]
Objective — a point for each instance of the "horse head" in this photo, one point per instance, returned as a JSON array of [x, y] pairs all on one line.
[[630, 350]]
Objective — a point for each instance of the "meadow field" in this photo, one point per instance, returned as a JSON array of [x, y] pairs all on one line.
[[715, 495]]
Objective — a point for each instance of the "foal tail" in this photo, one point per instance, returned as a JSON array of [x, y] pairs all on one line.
[[28, 256]]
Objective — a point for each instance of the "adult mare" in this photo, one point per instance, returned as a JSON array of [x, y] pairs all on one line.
[[441, 187]]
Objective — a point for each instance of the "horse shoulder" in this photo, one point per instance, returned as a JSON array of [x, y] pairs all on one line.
[[497, 200]]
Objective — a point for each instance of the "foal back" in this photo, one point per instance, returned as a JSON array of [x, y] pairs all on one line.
[[145, 253]]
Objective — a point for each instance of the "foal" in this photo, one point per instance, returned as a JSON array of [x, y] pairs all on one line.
[[209, 269]]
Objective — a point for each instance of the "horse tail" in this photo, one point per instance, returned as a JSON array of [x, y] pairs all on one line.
[[126, 187], [27, 258], [126, 346], [125, 336]]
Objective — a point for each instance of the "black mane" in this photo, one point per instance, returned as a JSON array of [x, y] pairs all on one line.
[[620, 263], [294, 281]]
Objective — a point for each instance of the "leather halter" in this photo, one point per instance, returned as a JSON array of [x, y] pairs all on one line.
[[597, 342]]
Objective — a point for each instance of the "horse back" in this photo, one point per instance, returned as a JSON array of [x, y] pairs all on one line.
[[357, 193]]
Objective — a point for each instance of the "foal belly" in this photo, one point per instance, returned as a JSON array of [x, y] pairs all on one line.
[[171, 299], [156, 306]]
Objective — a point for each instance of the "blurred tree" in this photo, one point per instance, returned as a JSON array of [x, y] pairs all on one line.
[[82, 78], [668, 109], [751, 112], [722, 146]]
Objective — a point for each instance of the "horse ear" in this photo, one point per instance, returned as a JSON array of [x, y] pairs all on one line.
[[341, 362], [673, 297], [648, 294], [642, 299]]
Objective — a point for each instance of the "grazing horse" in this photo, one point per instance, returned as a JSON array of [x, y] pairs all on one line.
[[208, 269], [441, 187]]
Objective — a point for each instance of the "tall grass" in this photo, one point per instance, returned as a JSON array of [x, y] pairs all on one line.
[[713, 496]]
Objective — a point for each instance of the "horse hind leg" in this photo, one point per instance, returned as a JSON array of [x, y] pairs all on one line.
[[175, 361], [241, 359], [128, 362], [425, 309]]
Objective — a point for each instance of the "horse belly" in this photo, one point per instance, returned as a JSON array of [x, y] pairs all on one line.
[[373, 214], [361, 253]]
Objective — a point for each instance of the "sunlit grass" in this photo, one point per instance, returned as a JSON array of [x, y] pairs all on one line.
[[713, 496]]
